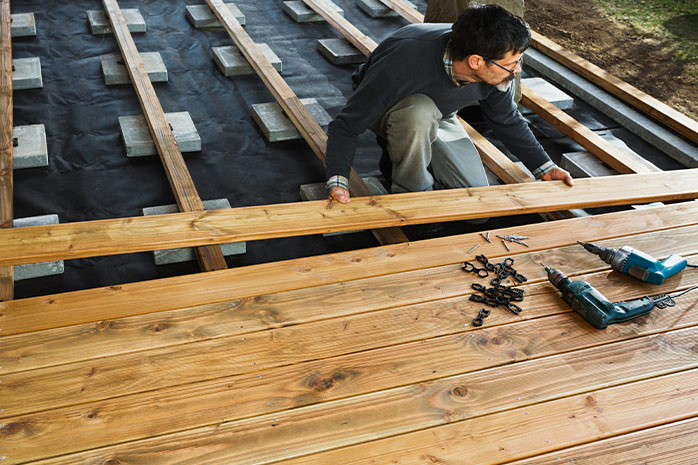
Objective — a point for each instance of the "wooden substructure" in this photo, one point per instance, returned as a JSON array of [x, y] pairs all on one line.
[[185, 193], [363, 357], [6, 124]]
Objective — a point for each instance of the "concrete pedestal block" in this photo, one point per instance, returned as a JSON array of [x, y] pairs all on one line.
[[377, 9], [26, 73], [201, 16], [23, 25], [302, 13], [276, 126], [114, 69], [318, 191], [139, 143], [340, 51], [31, 151], [99, 21], [187, 254], [584, 165], [232, 62], [37, 270], [549, 92]]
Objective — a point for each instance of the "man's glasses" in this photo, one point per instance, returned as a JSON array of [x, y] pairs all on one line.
[[510, 71]]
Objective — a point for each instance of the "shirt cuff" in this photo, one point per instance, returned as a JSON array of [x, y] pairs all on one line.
[[544, 168], [339, 181]]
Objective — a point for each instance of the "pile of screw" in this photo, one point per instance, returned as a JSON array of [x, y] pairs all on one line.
[[513, 238], [498, 294]]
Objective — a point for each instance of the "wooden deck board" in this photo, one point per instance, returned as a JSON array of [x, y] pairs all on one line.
[[6, 126]]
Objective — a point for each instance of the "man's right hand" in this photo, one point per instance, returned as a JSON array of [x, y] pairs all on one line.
[[339, 194]]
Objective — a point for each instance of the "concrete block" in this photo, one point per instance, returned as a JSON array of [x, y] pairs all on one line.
[[201, 16], [37, 270], [139, 143], [318, 191], [276, 126], [114, 69], [23, 25], [26, 73], [31, 151], [549, 92], [99, 21], [584, 165], [302, 13], [340, 51], [187, 254], [232, 62], [631, 119], [377, 9]]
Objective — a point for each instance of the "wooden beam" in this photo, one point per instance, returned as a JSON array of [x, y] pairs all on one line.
[[595, 144], [6, 163], [324, 8], [405, 10], [140, 234], [677, 121], [109, 302], [292, 106], [188, 200]]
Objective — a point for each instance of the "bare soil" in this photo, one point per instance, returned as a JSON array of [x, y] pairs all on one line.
[[645, 62]]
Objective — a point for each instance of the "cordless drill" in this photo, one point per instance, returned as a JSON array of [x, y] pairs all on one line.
[[592, 305], [638, 264]]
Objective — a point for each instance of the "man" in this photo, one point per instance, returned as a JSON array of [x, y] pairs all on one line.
[[408, 93]]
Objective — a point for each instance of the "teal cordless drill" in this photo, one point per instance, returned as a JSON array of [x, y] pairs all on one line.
[[597, 309], [638, 264]]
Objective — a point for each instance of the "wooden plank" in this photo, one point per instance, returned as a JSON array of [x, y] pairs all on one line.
[[304, 418], [292, 106], [405, 10], [675, 443], [6, 125], [139, 234], [143, 332], [533, 429], [404, 330], [209, 257], [325, 8], [185, 291], [595, 144], [677, 121]]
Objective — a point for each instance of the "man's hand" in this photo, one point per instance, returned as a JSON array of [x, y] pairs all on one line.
[[339, 194], [558, 174]]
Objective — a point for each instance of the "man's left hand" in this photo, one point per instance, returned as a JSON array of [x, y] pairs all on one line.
[[558, 174]]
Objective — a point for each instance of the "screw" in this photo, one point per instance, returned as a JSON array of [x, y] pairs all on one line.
[[506, 246], [474, 248], [268, 403]]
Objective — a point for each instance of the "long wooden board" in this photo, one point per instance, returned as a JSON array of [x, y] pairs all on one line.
[[6, 162], [179, 292], [481, 393], [138, 234], [186, 195], [292, 106], [653, 107], [41, 349]]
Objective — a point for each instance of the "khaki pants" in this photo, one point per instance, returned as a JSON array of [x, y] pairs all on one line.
[[427, 150]]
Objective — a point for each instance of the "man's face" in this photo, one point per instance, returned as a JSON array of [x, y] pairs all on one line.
[[501, 72]]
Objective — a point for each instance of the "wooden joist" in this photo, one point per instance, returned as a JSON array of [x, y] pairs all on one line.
[[677, 121], [292, 106], [32, 314], [405, 10], [186, 195], [6, 163], [139, 234]]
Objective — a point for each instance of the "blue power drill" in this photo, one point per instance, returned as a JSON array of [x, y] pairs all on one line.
[[597, 309], [638, 264]]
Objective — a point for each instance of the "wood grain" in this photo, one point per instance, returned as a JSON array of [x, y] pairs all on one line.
[[292, 106], [139, 234], [209, 257], [653, 107], [180, 292], [6, 126]]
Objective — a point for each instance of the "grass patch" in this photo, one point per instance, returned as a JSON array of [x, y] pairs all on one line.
[[675, 21]]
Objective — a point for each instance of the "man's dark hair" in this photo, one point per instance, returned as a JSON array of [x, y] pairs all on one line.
[[490, 31]]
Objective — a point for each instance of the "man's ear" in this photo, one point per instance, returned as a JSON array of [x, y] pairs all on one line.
[[474, 61]]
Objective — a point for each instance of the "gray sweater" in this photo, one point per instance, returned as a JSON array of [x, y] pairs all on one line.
[[408, 62]]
